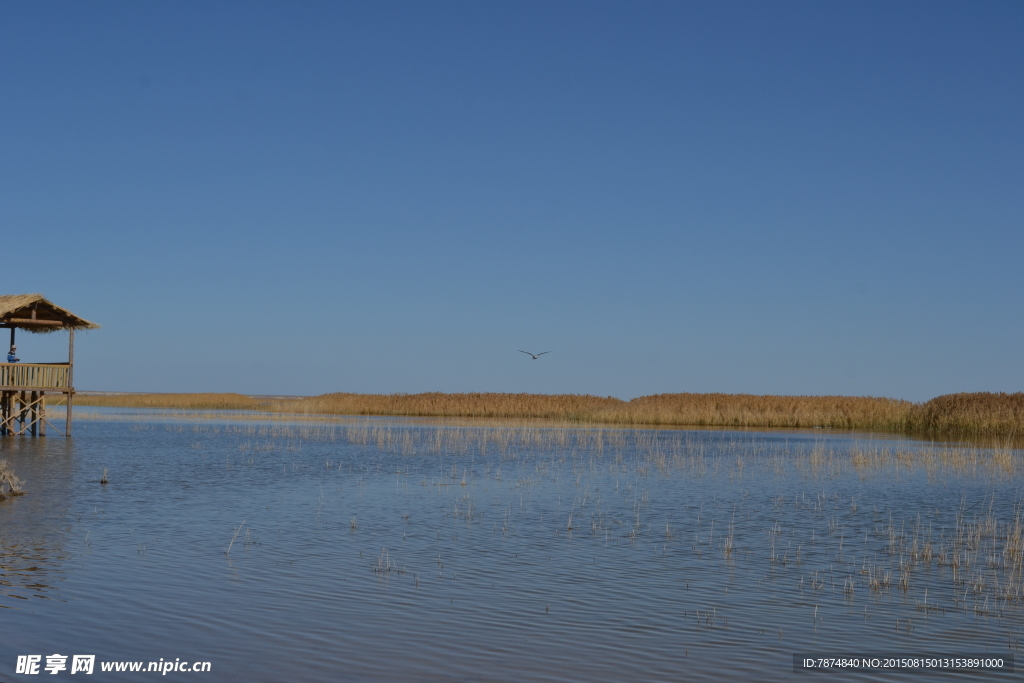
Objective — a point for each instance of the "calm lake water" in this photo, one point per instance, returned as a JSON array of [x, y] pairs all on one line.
[[386, 549]]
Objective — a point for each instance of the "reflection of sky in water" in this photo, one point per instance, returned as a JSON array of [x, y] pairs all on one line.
[[34, 528], [514, 554]]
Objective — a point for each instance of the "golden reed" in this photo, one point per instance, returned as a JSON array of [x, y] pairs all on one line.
[[979, 414]]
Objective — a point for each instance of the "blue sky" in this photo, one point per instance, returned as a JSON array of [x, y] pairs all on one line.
[[296, 198]]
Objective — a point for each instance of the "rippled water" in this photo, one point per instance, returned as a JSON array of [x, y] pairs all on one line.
[[383, 549]]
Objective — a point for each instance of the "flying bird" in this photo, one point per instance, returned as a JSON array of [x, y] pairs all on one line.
[[534, 356]]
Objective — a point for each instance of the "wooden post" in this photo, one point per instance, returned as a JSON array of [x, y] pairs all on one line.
[[42, 413], [33, 413], [71, 375]]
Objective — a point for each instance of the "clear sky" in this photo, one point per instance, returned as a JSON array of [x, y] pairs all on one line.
[[303, 197]]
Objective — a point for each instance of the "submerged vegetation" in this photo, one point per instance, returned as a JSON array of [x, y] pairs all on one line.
[[10, 485], [966, 414]]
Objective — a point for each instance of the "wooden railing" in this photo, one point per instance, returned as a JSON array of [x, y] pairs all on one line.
[[34, 375]]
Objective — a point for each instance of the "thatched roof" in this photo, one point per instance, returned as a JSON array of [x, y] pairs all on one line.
[[34, 313]]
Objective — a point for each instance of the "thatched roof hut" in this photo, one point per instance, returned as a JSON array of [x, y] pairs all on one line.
[[23, 386], [33, 312]]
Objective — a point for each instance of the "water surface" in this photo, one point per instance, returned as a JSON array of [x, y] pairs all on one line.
[[385, 549]]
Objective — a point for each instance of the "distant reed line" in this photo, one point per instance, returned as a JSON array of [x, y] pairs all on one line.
[[967, 414]]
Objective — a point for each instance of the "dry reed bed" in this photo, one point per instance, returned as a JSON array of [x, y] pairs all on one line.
[[977, 414], [173, 401], [993, 414]]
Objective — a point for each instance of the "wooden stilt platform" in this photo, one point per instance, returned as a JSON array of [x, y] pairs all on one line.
[[24, 386]]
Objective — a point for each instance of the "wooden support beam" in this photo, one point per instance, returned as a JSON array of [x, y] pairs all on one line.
[[21, 365], [71, 383], [12, 387], [22, 414], [30, 321]]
